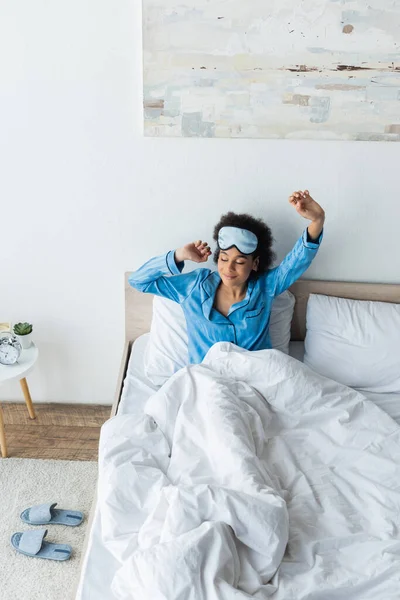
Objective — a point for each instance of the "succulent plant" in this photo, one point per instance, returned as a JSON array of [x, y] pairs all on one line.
[[22, 328]]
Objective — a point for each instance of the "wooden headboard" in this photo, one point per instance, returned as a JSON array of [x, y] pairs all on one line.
[[138, 306]]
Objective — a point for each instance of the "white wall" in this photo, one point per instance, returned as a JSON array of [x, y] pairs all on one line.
[[85, 197]]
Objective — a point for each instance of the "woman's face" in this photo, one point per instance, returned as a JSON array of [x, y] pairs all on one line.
[[235, 268]]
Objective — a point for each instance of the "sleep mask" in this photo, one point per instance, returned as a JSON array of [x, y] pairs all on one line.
[[245, 241]]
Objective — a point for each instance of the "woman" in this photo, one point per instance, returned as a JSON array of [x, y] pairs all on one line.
[[234, 303]]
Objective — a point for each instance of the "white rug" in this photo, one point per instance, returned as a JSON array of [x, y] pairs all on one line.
[[24, 482]]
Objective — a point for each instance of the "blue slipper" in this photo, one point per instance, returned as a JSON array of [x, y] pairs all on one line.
[[31, 543], [46, 514]]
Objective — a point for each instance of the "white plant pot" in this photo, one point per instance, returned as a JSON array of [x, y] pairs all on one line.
[[25, 340]]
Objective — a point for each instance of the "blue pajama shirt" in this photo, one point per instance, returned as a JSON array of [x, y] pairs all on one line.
[[247, 322]]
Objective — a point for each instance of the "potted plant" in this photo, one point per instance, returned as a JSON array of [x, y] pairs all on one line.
[[23, 332]]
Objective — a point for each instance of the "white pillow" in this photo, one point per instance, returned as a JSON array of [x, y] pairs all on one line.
[[354, 342], [167, 350]]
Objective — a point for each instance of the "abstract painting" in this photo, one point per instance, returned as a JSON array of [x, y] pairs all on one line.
[[305, 69]]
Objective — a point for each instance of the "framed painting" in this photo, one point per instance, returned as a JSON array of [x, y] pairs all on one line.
[[263, 69]]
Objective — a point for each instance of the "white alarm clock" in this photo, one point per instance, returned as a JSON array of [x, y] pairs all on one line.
[[10, 350]]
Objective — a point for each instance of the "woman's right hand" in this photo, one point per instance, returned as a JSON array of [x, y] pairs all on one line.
[[196, 251]]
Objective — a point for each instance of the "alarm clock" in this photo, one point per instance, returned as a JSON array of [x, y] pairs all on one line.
[[10, 350]]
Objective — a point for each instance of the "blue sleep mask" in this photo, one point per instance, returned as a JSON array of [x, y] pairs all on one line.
[[245, 241]]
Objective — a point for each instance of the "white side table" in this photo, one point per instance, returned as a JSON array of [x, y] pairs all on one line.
[[18, 371]]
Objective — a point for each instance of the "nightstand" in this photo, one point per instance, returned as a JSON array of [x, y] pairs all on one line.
[[18, 372]]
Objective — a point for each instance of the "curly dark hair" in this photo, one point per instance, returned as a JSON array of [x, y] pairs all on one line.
[[262, 231]]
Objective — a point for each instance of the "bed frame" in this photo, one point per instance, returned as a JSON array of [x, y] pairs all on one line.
[[139, 307]]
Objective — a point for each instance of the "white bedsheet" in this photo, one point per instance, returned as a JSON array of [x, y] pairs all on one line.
[[100, 565], [390, 403], [200, 525], [137, 387]]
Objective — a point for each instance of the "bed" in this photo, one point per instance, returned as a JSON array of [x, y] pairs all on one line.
[[319, 571]]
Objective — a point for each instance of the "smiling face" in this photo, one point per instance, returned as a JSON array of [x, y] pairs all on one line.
[[235, 268]]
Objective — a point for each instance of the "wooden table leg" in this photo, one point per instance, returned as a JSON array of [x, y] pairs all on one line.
[[3, 444], [28, 399]]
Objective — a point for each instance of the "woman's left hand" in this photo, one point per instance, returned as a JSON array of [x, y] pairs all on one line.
[[306, 206]]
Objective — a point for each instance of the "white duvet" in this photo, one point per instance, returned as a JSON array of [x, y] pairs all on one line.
[[250, 476]]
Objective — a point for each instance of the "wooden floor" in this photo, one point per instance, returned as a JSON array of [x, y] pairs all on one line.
[[60, 431]]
